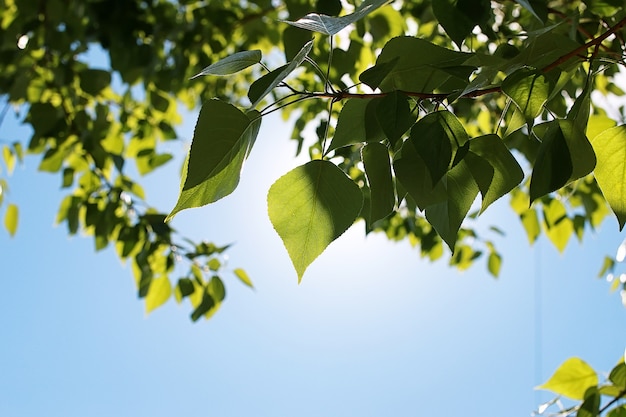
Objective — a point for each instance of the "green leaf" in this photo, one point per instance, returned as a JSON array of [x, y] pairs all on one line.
[[185, 287], [618, 375], [591, 405], [310, 207], [507, 173], [372, 77], [459, 17], [413, 174], [259, 87], [11, 219], [375, 158], [565, 155], [92, 81], [529, 90], [332, 25], [222, 140], [356, 124], [447, 216], [206, 306], [571, 379], [619, 411], [9, 159], [610, 171], [420, 66], [282, 74], [394, 115], [232, 64], [243, 277], [437, 138], [494, 263], [559, 227], [216, 288], [159, 292]]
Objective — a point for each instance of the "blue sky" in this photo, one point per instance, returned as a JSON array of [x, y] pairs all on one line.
[[372, 330]]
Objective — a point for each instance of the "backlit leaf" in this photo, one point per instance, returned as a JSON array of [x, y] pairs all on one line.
[[232, 64], [507, 173], [222, 140], [458, 18], [11, 219], [610, 171], [559, 226], [282, 74], [394, 115], [159, 292], [571, 379], [331, 25], [565, 155], [378, 171], [243, 277], [350, 124], [447, 216], [310, 207], [529, 90], [418, 66]]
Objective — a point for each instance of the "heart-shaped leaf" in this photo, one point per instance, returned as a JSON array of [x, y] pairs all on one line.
[[310, 207]]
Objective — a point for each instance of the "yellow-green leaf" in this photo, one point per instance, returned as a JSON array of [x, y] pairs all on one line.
[[158, 293], [610, 170], [571, 379], [243, 277], [11, 218]]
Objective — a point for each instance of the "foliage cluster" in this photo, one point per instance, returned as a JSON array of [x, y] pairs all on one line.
[[409, 110]]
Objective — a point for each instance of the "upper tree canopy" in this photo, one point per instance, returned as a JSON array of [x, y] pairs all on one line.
[[417, 116]]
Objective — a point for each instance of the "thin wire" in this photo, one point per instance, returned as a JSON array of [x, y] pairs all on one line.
[[538, 320]]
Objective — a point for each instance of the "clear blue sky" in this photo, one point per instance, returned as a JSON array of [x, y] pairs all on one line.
[[373, 330]]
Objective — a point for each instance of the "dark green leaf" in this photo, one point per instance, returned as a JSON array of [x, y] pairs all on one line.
[[92, 81], [418, 68], [351, 124], [447, 216], [259, 87], [378, 170], [291, 66], [565, 155], [458, 18], [186, 287], [591, 404], [394, 115], [372, 77], [507, 173], [222, 140], [310, 207]]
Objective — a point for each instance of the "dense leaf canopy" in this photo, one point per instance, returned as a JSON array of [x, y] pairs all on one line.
[[416, 115]]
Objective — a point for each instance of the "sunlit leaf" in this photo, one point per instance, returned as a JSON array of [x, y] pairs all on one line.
[[419, 66], [232, 64], [610, 171], [243, 277], [529, 90], [11, 219], [571, 379], [159, 292], [394, 115], [332, 25], [559, 226], [222, 140], [310, 207]]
